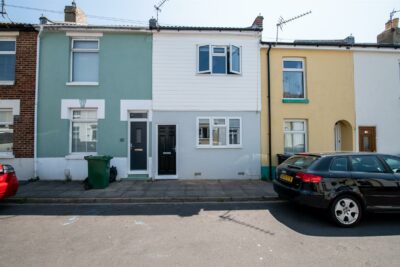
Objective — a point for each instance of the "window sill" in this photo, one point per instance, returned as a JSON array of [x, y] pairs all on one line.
[[219, 74], [82, 84], [6, 155], [78, 156], [219, 147], [294, 100], [7, 82]]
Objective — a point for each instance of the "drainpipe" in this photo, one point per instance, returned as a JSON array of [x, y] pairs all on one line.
[[269, 113], [36, 103]]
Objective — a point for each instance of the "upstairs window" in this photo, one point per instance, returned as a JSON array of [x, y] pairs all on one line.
[[85, 61], [84, 131], [219, 59], [6, 131], [7, 61], [293, 78]]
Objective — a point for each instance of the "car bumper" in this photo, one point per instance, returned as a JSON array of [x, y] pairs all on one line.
[[304, 197], [8, 189]]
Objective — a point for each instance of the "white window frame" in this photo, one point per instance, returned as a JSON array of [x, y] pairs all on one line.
[[74, 50], [71, 120], [5, 39], [305, 132], [211, 120], [229, 70], [303, 70], [10, 154], [240, 59]]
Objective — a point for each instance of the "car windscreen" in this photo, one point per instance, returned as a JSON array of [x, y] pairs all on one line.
[[302, 162]]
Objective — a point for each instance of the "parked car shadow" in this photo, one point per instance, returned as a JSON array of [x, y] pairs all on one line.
[[316, 222], [300, 219]]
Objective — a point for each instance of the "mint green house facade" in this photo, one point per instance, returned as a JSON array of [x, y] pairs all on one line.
[[94, 98]]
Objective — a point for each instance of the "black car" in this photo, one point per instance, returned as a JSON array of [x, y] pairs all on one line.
[[346, 184]]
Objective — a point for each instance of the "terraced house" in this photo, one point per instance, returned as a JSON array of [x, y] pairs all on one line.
[[17, 96], [206, 102], [94, 97], [308, 99]]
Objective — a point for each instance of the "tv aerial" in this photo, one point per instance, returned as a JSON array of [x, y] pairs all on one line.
[[158, 7], [282, 22]]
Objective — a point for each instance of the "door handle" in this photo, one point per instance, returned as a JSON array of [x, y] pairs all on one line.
[[167, 153]]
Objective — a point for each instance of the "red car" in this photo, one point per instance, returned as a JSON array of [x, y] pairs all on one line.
[[8, 181]]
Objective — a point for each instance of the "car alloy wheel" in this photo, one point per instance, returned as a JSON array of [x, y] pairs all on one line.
[[346, 211]]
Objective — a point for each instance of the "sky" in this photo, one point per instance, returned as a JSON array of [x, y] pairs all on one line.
[[330, 19]]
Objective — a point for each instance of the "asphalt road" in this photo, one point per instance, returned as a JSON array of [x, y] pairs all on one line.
[[202, 234]]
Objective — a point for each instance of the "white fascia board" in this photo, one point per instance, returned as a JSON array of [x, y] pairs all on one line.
[[84, 34], [334, 48], [67, 104], [13, 104]]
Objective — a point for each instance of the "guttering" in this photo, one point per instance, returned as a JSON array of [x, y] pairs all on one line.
[[336, 46], [36, 103], [269, 113]]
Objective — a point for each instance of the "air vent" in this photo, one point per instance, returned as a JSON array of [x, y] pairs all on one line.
[[197, 174], [241, 173]]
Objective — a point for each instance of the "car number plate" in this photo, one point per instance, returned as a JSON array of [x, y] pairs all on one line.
[[286, 178]]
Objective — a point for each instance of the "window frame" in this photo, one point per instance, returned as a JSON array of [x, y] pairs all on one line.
[[211, 125], [228, 56], [80, 50], [303, 70], [9, 39], [8, 154], [305, 131], [71, 120]]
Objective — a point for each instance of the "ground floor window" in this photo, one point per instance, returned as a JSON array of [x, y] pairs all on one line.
[[83, 131], [6, 130], [219, 132], [295, 135]]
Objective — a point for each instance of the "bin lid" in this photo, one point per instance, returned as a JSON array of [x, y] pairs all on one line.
[[99, 157]]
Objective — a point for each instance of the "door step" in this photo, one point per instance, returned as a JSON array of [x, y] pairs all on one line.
[[137, 177]]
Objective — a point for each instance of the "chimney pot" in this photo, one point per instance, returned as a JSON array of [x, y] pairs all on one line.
[[391, 34]]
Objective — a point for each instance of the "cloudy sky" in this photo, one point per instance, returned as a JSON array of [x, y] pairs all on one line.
[[330, 19]]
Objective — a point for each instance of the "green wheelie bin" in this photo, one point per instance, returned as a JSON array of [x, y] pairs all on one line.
[[98, 171]]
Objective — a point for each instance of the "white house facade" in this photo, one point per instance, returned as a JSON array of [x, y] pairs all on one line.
[[206, 102], [377, 94]]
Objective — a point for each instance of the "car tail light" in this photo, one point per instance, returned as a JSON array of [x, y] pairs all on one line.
[[309, 178], [6, 173]]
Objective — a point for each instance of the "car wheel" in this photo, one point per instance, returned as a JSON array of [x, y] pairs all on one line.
[[346, 211]]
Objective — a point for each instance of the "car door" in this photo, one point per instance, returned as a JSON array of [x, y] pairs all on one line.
[[393, 163], [375, 181]]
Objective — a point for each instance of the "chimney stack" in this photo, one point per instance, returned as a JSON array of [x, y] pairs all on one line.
[[391, 34], [258, 22], [74, 14]]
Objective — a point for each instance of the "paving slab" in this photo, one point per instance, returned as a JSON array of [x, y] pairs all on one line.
[[145, 191]]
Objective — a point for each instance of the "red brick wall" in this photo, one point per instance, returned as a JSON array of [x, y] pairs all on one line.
[[24, 90]]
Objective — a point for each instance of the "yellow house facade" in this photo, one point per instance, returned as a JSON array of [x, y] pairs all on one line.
[[308, 102]]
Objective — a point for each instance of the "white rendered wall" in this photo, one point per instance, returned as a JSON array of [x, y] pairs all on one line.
[[377, 93], [56, 168], [23, 167]]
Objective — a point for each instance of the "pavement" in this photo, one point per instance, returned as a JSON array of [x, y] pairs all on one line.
[[128, 191], [273, 233]]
